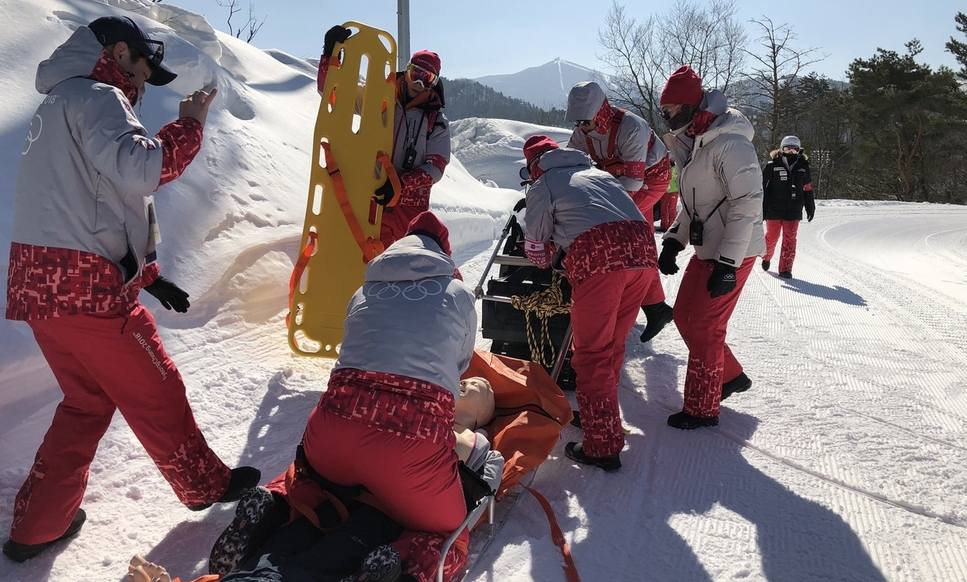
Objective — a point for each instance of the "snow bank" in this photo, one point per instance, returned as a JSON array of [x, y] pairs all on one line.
[[491, 149], [244, 195]]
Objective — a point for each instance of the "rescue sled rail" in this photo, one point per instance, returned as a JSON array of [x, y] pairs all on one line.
[[487, 504]]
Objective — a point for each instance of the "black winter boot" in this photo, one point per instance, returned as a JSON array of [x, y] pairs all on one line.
[[257, 515], [785, 274], [243, 479], [575, 452], [657, 316], [381, 565], [765, 265], [686, 421], [740, 383], [576, 419], [21, 552]]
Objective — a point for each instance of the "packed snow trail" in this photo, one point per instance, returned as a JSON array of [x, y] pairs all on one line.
[[845, 460]]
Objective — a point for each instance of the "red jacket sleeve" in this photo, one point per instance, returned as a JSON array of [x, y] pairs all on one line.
[[180, 142]]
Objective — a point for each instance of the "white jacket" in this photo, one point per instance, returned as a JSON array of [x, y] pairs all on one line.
[[720, 182]]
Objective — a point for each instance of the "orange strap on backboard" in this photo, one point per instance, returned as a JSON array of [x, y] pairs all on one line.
[[369, 246], [393, 177]]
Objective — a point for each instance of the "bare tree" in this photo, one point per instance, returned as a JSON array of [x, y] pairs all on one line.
[[631, 54], [708, 38], [250, 27], [775, 71], [642, 54]]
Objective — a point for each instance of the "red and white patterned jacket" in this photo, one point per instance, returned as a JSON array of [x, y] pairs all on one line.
[[88, 247]]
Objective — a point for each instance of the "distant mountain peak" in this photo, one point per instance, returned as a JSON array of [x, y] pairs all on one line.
[[545, 85]]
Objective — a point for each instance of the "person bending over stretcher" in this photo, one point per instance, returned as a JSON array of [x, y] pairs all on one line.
[[474, 408]]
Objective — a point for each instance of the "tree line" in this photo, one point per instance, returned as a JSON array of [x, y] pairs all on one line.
[[468, 98], [896, 130]]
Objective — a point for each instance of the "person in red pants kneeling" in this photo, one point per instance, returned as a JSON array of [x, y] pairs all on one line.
[[610, 262], [386, 420], [721, 217]]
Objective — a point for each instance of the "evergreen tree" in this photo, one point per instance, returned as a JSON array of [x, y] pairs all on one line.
[[959, 48], [906, 120]]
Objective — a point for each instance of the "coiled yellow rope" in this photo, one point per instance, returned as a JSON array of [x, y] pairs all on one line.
[[543, 305]]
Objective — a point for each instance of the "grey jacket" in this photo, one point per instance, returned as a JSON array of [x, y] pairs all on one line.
[[720, 182], [631, 142], [88, 166], [571, 197], [411, 317], [430, 145]]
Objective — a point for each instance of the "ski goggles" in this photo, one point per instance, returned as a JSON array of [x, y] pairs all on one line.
[[790, 149], [152, 50], [583, 123], [420, 76]]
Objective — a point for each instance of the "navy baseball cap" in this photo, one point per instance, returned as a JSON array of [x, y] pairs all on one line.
[[112, 29]]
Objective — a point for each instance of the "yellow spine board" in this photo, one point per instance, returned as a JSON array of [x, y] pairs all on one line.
[[356, 118]]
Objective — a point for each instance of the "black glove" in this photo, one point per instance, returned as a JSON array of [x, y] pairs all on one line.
[[722, 280], [333, 35], [810, 212], [384, 194], [666, 260], [170, 295]]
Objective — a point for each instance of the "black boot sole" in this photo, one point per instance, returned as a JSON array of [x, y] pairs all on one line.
[[683, 421], [237, 541], [23, 552], [735, 386], [242, 479], [609, 464]]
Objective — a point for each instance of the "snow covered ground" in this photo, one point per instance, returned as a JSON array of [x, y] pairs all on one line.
[[846, 461]]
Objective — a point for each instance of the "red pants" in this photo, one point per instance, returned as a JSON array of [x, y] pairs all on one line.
[[603, 311], [413, 479], [395, 222], [645, 199], [702, 321], [789, 229], [103, 363], [669, 209]]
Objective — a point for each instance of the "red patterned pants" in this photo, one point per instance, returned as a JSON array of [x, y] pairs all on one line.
[[788, 229], [603, 312], [388, 442], [645, 199], [702, 321], [669, 209], [103, 363]]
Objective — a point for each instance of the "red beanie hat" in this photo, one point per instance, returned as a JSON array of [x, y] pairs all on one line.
[[427, 224], [537, 145], [428, 60], [684, 87]]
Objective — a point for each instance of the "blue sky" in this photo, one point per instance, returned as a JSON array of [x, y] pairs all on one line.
[[486, 37]]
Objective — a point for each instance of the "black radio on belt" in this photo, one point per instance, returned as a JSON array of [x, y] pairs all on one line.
[[695, 231], [410, 160], [696, 228]]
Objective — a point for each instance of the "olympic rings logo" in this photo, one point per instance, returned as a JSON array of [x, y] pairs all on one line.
[[413, 291], [31, 136]]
